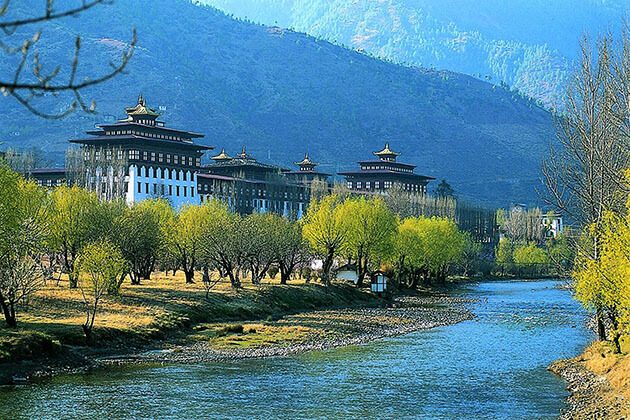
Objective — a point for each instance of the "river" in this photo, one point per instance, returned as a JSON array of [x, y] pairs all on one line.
[[490, 367]]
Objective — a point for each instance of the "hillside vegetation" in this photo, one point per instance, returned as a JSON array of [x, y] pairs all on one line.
[[282, 93], [529, 45]]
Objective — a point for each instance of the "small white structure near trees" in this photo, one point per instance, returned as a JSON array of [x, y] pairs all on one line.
[[347, 272]]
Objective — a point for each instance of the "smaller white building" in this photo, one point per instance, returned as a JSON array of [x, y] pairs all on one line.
[[347, 272]]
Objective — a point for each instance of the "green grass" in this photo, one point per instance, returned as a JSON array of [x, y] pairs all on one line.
[[164, 308]]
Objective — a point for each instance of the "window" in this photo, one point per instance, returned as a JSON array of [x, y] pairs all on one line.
[[145, 156], [359, 185], [190, 161], [176, 159], [161, 157], [168, 158], [367, 185], [198, 162], [152, 156], [349, 184]]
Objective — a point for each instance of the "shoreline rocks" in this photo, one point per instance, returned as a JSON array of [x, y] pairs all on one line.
[[588, 397], [344, 327]]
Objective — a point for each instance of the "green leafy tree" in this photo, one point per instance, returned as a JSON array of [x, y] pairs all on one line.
[[326, 232], [23, 210], [186, 235], [426, 248], [223, 241], [73, 222], [444, 190], [102, 264], [504, 255], [471, 255], [370, 227], [259, 229], [142, 232], [290, 247]]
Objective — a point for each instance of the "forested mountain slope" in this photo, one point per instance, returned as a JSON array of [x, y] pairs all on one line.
[[529, 45], [282, 93]]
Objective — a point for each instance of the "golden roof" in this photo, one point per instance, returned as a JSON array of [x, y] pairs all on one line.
[[306, 161], [141, 109], [222, 156], [386, 152], [243, 154]]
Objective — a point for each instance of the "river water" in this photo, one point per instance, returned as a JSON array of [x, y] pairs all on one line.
[[490, 367]]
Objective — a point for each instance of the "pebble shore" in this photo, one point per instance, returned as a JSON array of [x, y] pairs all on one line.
[[587, 389], [344, 327]]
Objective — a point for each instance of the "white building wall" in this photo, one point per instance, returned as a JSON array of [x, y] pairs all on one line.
[[153, 176]]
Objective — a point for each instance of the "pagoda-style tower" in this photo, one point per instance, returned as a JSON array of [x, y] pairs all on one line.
[[378, 176], [306, 173], [151, 160], [306, 164], [387, 155], [222, 157]]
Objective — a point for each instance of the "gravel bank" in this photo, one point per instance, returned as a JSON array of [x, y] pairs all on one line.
[[340, 327], [590, 393]]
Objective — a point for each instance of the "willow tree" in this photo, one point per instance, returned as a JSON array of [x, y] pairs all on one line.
[[102, 265], [584, 174], [370, 226], [23, 225], [186, 236], [73, 220], [326, 232]]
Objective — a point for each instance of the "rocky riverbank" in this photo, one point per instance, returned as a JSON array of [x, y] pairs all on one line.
[[598, 382], [308, 331]]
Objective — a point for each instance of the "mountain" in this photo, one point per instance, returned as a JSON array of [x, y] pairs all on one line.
[[529, 45], [282, 93]]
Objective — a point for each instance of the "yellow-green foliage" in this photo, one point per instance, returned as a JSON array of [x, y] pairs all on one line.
[[530, 254], [371, 229], [433, 243], [603, 283], [323, 226]]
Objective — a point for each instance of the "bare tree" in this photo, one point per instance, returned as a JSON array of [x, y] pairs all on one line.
[[584, 175], [30, 79], [100, 170]]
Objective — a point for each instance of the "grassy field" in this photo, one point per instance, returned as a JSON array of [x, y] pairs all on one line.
[[167, 307]]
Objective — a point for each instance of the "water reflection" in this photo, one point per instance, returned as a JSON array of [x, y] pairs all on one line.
[[491, 367]]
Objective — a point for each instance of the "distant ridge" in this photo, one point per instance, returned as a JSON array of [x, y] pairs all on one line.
[[282, 93]]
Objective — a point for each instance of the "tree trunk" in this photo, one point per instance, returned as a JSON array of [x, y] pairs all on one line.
[[190, 276], [284, 275], [9, 314], [601, 328], [72, 279]]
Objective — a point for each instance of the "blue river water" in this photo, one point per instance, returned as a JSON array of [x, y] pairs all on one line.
[[492, 367]]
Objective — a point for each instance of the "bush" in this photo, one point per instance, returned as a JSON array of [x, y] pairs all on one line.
[[273, 271]]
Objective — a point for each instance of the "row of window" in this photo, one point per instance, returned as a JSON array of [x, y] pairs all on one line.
[[161, 190], [385, 167], [386, 185], [274, 206], [145, 134], [261, 193], [50, 183], [164, 158], [166, 174]]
